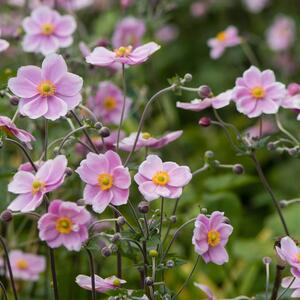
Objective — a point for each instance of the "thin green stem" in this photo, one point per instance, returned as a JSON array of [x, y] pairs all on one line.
[[92, 271], [285, 131]]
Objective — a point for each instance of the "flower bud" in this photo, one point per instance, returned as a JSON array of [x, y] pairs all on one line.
[[167, 297], [153, 253], [173, 219], [283, 203], [203, 210], [271, 146], [267, 260], [121, 221], [116, 237], [209, 154], [1, 143], [104, 132], [113, 248], [98, 125], [204, 91], [238, 169], [69, 171], [6, 216], [188, 77], [106, 251], [204, 122], [81, 202], [14, 100], [170, 264], [56, 151], [149, 281], [143, 207]]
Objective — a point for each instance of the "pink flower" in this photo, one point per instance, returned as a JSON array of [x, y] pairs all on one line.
[[49, 91], [107, 180], [292, 98], [65, 224], [108, 103], [257, 92], [210, 237], [74, 4], [293, 89], [268, 127], [206, 290], [216, 102], [255, 6], [199, 8], [157, 179], [129, 31], [292, 283], [167, 33], [101, 285], [103, 57], [290, 253], [126, 3], [28, 166], [31, 188], [47, 31], [84, 49], [11, 129], [281, 34], [147, 140], [26, 266], [3, 45], [224, 39]]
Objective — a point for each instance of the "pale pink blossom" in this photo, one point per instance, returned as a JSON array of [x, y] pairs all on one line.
[[167, 33], [102, 285], [161, 179], [281, 34], [292, 283], [258, 92], [224, 39], [206, 290], [255, 6]]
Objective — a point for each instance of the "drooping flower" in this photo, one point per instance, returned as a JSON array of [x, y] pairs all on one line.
[[107, 180], [147, 140], [258, 92], [109, 142], [26, 266], [47, 31], [128, 32], [216, 102], [50, 91], [107, 103], [102, 285], [255, 6], [167, 33], [11, 129], [126, 55], [65, 224], [281, 34], [32, 187], [224, 39], [290, 253], [292, 283], [206, 290], [210, 237], [161, 179]]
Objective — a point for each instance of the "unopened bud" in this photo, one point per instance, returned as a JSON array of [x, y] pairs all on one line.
[[116, 237], [106, 251], [170, 264], [203, 210], [81, 202], [204, 122], [188, 77], [14, 100], [238, 169], [121, 221], [209, 154], [149, 281], [143, 207], [6, 216], [104, 132], [271, 146], [98, 125], [153, 253], [69, 171], [267, 260], [204, 91], [173, 219], [283, 203]]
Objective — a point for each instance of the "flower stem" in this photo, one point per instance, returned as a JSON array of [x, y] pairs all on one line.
[[4, 291], [283, 130], [92, 271], [277, 282], [188, 278], [11, 276], [123, 106]]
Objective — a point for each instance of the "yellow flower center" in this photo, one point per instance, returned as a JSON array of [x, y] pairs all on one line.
[[258, 92], [47, 28], [221, 36], [46, 88], [298, 257], [116, 282], [37, 186], [146, 135], [105, 181], [110, 103], [161, 178], [213, 238], [64, 225], [22, 264], [123, 51]]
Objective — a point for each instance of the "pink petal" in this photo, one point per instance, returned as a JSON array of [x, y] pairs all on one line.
[[120, 196], [218, 255], [114, 159], [22, 183], [35, 108], [90, 192], [102, 57], [54, 68], [121, 177], [150, 166], [180, 176], [31, 73], [22, 87], [69, 85], [102, 200], [148, 189], [56, 108], [66, 26]]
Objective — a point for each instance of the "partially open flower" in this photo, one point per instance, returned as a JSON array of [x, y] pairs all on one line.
[[102, 285]]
